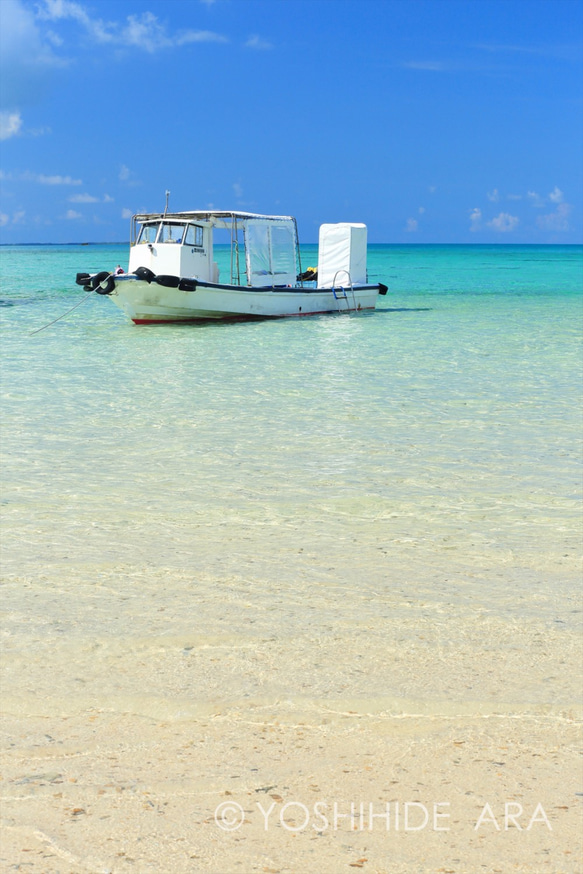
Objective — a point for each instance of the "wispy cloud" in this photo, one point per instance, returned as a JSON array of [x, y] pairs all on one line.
[[54, 180], [494, 195], [32, 48], [475, 219], [190, 36], [556, 195], [83, 198], [412, 226], [503, 223], [535, 198], [258, 43], [39, 178], [556, 221], [10, 124], [144, 31], [73, 215], [127, 176]]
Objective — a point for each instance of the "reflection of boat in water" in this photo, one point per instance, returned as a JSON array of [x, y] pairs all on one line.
[[173, 277]]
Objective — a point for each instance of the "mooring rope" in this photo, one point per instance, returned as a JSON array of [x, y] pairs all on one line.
[[58, 319]]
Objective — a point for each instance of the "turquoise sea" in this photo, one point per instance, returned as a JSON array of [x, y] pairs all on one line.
[[430, 444], [368, 514]]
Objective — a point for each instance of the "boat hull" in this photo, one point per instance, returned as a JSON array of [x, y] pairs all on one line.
[[151, 303]]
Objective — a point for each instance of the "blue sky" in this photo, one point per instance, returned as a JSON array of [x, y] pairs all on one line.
[[432, 121]]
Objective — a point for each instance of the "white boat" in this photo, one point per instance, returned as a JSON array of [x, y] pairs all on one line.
[[173, 277]]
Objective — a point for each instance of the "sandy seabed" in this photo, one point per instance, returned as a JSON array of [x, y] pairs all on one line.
[[102, 794], [284, 783]]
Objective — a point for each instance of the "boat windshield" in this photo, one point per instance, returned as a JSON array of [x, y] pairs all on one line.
[[149, 233], [171, 232]]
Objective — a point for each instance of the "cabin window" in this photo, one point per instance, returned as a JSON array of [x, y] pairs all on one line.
[[270, 252], [148, 233], [171, 233], [283, 256], [194, 236]]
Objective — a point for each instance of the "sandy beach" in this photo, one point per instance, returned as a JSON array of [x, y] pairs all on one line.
[[102, 794], [230, 749]]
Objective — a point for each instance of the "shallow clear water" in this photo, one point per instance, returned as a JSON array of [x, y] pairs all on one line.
[[390, 501]]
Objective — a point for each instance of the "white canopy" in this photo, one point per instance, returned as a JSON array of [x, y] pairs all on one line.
[[217, 218]]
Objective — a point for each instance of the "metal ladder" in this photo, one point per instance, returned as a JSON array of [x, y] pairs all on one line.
[[342, 292]]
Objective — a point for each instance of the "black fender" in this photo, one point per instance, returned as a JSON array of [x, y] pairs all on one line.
[[83, 279], [187, 285], [144, 274], [382, 288], [167, 281], [106, 286], [96, 279]]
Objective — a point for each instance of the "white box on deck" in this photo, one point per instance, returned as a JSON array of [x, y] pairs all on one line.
[[342, 255]]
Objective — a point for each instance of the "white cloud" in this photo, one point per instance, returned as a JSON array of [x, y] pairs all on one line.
[[475, 219], [73, 214], [127, 176], [494, 196], [535, 198], [412, 225], [126, 213], [556, 221], [556, 195], [143, 31], [4, 219], [83, 198], [503, 223], [428, 66], [421, 210], [10, 124], [256, 42], [18, 217], [190, 36], [238, 190], [55, 180], [514, 197], [39, 178], [54, 38], [107, 198]]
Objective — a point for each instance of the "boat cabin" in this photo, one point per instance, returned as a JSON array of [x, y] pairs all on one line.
[[264, 249]]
